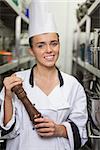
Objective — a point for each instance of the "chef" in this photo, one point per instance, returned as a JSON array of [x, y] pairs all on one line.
[[58, 96]]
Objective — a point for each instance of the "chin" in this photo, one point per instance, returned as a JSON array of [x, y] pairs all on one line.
[[49, 64]]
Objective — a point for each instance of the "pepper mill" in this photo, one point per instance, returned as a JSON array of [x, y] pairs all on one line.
[[31, 110]]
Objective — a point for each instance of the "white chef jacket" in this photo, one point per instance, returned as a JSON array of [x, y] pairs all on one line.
[[64, 103]]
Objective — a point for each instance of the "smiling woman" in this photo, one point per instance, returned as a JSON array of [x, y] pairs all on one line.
[[45, 48], [59, 97]]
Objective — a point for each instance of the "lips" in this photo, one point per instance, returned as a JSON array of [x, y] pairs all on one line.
[[49, 57]]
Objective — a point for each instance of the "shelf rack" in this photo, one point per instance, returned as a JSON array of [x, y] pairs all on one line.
[[9, 66], [89, 12], [12, 5], [87, 66], [91, 135], [88, 23], [8, 12], [10, 8], [16, 9]]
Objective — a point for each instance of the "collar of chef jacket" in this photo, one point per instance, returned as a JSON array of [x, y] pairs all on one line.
[[31, 78]]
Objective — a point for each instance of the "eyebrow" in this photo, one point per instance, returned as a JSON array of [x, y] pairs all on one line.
[[45, 42]]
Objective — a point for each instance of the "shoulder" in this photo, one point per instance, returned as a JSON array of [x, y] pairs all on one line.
[[71, 82], [72, 86], [69, 78]]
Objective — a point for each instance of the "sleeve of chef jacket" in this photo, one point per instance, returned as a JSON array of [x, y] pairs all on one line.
[[11, 130], [77, 120]]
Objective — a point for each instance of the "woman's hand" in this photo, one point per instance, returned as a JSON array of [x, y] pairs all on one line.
[[47, 128], [9, 83]]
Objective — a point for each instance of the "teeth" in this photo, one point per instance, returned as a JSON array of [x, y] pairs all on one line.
[[49, 57]]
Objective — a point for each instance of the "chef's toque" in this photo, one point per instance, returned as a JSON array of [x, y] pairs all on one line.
[[40, 19]]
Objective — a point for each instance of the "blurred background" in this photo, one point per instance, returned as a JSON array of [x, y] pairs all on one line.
[[78, 24]]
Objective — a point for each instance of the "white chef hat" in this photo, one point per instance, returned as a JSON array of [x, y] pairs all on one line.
[[40, 19]]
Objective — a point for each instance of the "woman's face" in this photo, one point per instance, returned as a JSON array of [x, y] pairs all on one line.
[[45, 48]]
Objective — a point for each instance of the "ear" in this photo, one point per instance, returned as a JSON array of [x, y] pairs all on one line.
[[31, 52]]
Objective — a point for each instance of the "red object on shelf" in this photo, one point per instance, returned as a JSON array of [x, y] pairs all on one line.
[[7, 56]]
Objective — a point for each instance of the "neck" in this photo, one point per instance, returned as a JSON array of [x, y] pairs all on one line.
[[45, 73]]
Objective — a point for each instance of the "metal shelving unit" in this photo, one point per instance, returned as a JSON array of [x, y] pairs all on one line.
[[12, 5], [9, 66], [91, 135], [87, 66], [12, 16], [82, 67], [89, 12], [6, 67], [87, 21], [9, 13], [16, 9]]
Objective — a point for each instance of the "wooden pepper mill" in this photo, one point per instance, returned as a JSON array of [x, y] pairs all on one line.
[[31, 110]]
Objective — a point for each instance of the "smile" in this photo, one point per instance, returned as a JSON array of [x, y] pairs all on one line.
[[50, 57]]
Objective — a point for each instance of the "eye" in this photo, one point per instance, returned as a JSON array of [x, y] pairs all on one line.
[[54, 44], [40, 46]]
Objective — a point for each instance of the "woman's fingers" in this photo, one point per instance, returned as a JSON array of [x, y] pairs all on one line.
[[11, 81], [45, 127]]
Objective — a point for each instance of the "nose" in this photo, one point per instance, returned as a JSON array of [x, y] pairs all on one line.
[[48, 48]]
